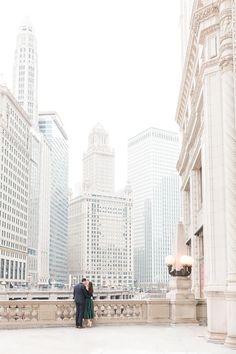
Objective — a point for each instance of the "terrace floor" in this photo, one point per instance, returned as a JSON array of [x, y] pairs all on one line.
[[131, 339]]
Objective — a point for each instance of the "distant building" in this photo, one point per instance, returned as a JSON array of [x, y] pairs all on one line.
[[98, 163], [152, 157], [14, 189], [25, 89], [100, 221], [25, 75], [51, 127]]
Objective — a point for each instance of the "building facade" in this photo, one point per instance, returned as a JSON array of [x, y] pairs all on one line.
[[43, 209], [152, 157], [100, 221], [25, 89], [98, 162], [51, 127], [100, 239], [186, 7], [207, 161], [14, 189]]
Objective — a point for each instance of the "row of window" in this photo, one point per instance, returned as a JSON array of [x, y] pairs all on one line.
[[11, 269]]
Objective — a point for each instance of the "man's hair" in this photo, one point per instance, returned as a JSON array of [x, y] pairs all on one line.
[[83, 279]]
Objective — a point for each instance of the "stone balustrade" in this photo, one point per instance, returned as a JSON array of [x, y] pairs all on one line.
[[59, 294], [52, 313]]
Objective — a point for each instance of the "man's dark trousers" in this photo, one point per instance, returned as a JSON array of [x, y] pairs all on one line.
[[79, 314]]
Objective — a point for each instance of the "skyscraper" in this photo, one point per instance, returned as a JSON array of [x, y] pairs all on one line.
[[152, 157], [25, 75], [25, 89], [52, 128], [14, 189], [100, 221], [98, 163]]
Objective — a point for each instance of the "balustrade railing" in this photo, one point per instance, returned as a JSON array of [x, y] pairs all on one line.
[[39, 313]]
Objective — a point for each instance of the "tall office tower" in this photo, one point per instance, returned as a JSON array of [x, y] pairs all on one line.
[[51, 126], [14, 189], [186, 7], [100, 221], [25, 89], [152, 157], [98, 163], [25, 76]]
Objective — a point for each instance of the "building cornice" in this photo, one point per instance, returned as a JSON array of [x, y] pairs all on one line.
[[197, 33], [5, 91], [204, 14]]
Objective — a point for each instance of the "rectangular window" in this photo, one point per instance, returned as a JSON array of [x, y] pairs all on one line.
[[11, 270], [7, 269], [2, 267], [16, 269], [20, 270], [23, 271]]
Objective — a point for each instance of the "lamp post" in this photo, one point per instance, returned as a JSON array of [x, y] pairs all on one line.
[[186, 263], [182, 300]]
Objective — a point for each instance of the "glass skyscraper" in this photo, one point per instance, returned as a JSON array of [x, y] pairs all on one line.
[[152, 158], [52, 128]]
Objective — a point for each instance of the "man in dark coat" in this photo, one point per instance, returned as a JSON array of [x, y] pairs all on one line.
[[80, 295]]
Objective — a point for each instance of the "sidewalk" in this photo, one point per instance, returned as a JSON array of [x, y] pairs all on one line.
[[139, 339]]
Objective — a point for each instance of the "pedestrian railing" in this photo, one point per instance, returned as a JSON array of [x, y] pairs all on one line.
[[46, 313]]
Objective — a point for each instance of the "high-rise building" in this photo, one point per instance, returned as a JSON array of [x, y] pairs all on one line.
[[207, 162], [98, 163], [25, 89], [152, 157], [51, 127], [25, 76], [14, 189], [100, 221], [43, 215]]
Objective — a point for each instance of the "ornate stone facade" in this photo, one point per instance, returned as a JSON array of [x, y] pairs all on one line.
[[207, 161]]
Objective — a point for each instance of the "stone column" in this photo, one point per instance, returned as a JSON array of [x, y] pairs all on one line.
[[229, 136], [194, 211], [213, 203]]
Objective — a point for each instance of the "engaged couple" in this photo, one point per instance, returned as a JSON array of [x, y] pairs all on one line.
[[83, 297]]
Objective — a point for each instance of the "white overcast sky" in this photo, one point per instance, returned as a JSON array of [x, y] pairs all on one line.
[[116, 62]]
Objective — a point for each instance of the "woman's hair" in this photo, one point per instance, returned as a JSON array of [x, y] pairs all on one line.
[[90, 288]]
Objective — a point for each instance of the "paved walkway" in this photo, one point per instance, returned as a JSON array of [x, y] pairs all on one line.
[[131, 339]]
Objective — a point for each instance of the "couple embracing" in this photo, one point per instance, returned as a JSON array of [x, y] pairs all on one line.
[[83, 296]]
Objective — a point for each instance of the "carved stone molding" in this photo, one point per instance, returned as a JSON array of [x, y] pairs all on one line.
[[226, 27], [207, 32], [204, 14], [226, 62]]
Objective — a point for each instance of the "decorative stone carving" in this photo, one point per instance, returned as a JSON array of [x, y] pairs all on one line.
[[226, 26], [204, 14]]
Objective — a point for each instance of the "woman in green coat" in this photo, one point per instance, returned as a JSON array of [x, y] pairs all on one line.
[[89, 307]]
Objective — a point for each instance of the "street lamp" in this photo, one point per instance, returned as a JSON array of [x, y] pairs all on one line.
[[186, 263]]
